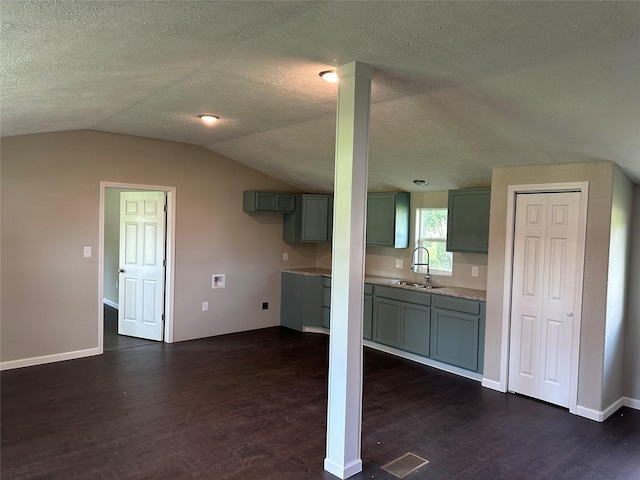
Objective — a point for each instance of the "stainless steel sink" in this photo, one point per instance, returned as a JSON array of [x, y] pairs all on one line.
[[414, 284]]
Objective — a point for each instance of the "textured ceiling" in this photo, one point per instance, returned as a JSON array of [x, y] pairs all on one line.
[[460, 87]]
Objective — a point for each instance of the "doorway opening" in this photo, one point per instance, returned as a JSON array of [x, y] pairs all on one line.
[[124, 292]]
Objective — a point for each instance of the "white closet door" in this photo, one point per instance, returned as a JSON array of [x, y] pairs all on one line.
[[543, 295]]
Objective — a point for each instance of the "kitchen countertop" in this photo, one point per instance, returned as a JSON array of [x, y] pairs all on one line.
[[449, 290]]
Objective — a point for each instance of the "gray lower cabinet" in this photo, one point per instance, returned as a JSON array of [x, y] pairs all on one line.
[[401, 319], [368, 307], [367, 320], [326, 302], [301, 300], [443, 328], [457, 332]]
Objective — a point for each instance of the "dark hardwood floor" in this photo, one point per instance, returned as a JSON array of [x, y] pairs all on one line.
[[253, 406]]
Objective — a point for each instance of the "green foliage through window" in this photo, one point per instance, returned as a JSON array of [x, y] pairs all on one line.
[[431, 230]]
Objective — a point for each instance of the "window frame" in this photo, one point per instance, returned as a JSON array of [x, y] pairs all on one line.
[[421, 256]]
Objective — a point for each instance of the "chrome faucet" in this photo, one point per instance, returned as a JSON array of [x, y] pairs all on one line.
[[415, 267]]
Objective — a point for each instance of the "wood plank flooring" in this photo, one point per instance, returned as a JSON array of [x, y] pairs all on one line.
[[253, 406]]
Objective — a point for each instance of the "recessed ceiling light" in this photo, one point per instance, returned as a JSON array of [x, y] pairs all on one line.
[[330, 76], [422, 183], [209, 118]]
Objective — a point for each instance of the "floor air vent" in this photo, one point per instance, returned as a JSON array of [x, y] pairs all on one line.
[[406, 464]]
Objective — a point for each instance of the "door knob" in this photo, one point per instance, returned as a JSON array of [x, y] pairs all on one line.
[[569, 314], [121, 270]]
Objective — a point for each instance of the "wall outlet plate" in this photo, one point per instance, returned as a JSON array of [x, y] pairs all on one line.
[[474, 271], [399, 263]]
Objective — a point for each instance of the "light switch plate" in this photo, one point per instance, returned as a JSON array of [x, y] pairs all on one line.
[[474, 271], [205, 306], [399, 263], [87, 252]]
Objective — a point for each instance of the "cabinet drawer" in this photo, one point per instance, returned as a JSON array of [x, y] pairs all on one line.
[[326, 281], [403, 295], [368, 289], [457, 304]]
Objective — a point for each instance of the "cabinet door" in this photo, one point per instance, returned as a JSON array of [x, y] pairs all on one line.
[[300, 300], [285, 202], [454, 338], [316, 218], [468, 220], [387, 322], [415, 329], [381, 219], [388, 219]]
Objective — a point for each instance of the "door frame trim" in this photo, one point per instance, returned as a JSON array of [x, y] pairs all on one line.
[[513, 191], [169, 288]]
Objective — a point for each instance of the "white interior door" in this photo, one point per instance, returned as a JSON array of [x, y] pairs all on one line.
[[142, 248], [545, 268]]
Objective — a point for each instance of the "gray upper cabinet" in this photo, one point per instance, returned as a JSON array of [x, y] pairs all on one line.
[[312, 221], [253, 201], [468, 220], [388, 219]]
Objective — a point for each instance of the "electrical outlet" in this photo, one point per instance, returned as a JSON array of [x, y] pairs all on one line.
[[474, 271], [399, 263], [205, 306], [265, 305], [285, 256]]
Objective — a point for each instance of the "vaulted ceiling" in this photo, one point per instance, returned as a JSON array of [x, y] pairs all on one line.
[[460, 87]]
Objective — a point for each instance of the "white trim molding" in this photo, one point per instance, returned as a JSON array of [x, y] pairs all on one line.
[[111, 304], [493, 385], [631, 403], [56, 357]]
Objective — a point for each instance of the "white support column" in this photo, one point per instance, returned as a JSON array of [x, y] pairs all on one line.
[[344, 415]]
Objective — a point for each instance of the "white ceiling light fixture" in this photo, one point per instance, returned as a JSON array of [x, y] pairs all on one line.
[[421, 183], [209, 119], [329, 75]]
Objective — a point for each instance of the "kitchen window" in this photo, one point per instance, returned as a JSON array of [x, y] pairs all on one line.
[[431, 233]]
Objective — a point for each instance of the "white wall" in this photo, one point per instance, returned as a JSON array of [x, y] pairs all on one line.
[[617, 274], [631, 377], [50, 190]]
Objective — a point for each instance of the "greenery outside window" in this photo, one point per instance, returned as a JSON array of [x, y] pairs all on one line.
[[431, 233]]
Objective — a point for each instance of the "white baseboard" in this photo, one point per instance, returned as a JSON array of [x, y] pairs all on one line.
[[631, 403], [58, 357], [343, 471], [599, 416], [106, 301], [424, 361], [315, 330], [493, 385]]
